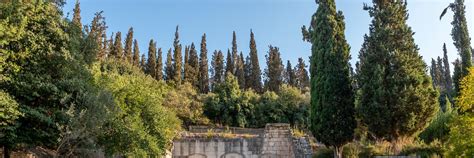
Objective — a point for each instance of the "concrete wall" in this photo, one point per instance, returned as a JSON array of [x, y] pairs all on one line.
[[274, 141]]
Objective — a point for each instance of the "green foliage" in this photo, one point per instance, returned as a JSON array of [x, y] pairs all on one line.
[[274, 70], [203, 68], [217, 68], [9, 111], [177, 60], [438, 128], [185, 101], [395, 98], [255, 80], [135, 129]]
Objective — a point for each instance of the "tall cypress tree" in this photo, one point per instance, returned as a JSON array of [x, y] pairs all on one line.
[[143, 63], [136, 53], [169, 67], [302, 77], [460, 35], [110, 46], [235, 56], [239, 71], [159, 65], [248, 73], [128, 46], [457, 75], [289, 75], [447, 72], [332, 100], [177, 59], [192, 68], [397, 99], [229, 64], [203, 68], [117, 50], [186, 64], [274, 70], [256, 73], [76, 17], [151, 62], [217, 69]]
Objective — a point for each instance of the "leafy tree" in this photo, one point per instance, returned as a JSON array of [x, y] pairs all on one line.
[[396, 98], [460, 35], [186, 102], [439, 127], [228, 106], [9, 110], [217, 68], [136, 53], [159, 65], [151, 62], [332, 98], [135, 130], [274, 70], [128, 46], [177, 59], [461, 137], [203, 68], [256, 73], [302, 77]]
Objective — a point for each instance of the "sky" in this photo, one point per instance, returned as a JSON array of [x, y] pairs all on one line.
[[274, 22]]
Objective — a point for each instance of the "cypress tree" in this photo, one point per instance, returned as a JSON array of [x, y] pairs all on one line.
[[159, 65], [217, 69], [128, 46], [396, 98], [76, 17], [143, 63], [274, 70], [460, 35], [98, 35], [302, 76], [136, 53], [235, 56], [117, 50], [186, 64], [239, 71], [177, 59], [256, 74], [457, 75], [434, 73], [332, 100], [203, 68], [447, 72], [248, 73], [193, 67], [110, 47], [151, 62], [169, 67], [289, 75], [229, 64]]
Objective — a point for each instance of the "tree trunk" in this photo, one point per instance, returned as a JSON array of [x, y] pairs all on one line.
[[337, 152], [6, 152]]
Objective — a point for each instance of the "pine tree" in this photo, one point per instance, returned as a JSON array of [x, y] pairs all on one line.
[[151, 62], [76, 18], [128, 46], [274, 70], [136, 53], [460, 35], [177, 59], [169, 67], [302, 76], [290, 76], [217, 69], [239, 71], [256, 73], [117, 50], [332, 98], [229, 64], [203, 68], [159, 65], [396, 96]]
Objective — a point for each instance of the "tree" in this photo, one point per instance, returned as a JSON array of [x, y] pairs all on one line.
[[117, 50], [229, 63], [186, 66], [203, 68], [136, 53], [177, 59], [192, 68], [302, 77], [159, 65], [235, 55], [76, 17], [217, 68], [256, 74], [332, 99], [274, 70], [239, 71], [289, 75], [128, 46], [97, 35], [143, 63], [460, 35], [151, 62], [247, 73], [396, 96], [447, 71], [185, 101], [169, 75]]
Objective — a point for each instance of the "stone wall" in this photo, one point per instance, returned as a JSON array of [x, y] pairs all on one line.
[[274, 141]]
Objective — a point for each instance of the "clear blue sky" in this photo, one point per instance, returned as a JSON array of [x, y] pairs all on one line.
[[275, 22]]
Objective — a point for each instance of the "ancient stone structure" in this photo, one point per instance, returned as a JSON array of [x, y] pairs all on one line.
[[274, 141]]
